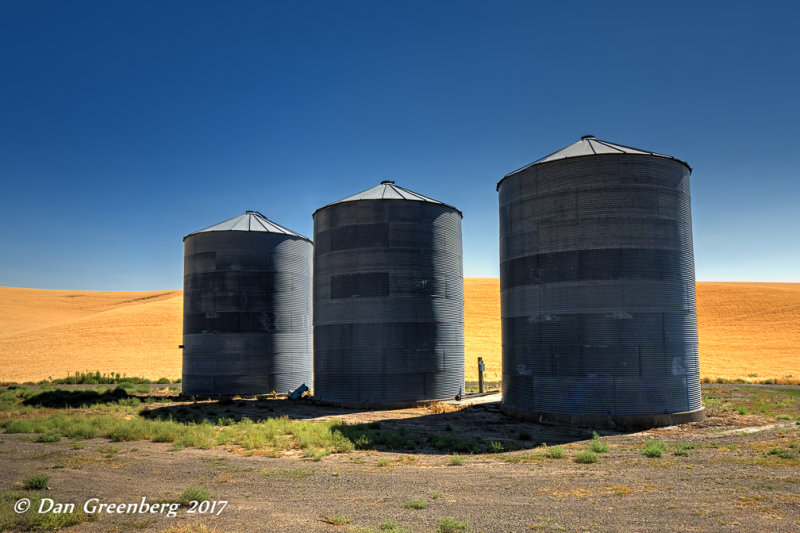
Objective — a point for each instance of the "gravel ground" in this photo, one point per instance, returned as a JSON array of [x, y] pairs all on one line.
[[727, 482]]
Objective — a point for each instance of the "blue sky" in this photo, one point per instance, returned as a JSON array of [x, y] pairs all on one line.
[[126, 125]]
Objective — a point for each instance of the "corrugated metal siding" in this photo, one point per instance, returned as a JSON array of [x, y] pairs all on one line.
[[388, 302], [247, 313], [597, 287]]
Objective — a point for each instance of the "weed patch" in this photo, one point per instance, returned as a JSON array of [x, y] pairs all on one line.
[[654, 448]]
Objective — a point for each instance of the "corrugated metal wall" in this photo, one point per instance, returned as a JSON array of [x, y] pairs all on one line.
[[388, 302], [597, 287], [247, 313]]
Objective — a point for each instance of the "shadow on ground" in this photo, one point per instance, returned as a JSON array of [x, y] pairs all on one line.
[[477, 429]]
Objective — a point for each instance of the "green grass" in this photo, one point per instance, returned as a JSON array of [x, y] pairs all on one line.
[[315, 439], [50, 436], [383, 462], [36, 482], [682, 448], [783, 454], [194, 493], [554, 452], [391, 526], [415, 504], [456, 460], [598, 445], [586, 457], [654, 448], [451, 525], [109, 451], [435, 495]]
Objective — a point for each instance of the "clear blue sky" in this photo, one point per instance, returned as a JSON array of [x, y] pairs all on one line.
[[126, 125]]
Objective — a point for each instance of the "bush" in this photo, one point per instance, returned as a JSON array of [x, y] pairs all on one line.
[[456, 460], [194, 493], [654, 448], [416, 504], [682, 448], [49, 437], [554, 452], [586, 457], [36, 482], [598, 445], [451, 525]]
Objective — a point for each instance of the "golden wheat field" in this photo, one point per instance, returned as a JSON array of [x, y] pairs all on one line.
[[747, 330]]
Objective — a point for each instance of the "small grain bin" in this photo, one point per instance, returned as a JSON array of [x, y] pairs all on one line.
[[597, 289], [388, 299], [246, 308]]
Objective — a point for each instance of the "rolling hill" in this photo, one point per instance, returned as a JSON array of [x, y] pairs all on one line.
[[747, 330]]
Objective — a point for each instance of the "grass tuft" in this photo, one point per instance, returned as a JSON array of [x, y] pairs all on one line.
[[586, 457], [194, 493], [451, 525], [36, 482], [415, 504], [456, 460], [654, 448]]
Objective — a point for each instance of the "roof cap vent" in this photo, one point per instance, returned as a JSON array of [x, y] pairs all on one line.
[[384, 182], [587, 137]]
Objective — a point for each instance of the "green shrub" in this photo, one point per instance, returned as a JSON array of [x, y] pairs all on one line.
[[416, 504], [109, 451], [654, 448], [451, 525], [554, 452], [456, 460], [50, 436], [496, 447], [586, 457], [36, 482], [383, 462], [194, 493], [598, 445], [783, 454], [682, 448]]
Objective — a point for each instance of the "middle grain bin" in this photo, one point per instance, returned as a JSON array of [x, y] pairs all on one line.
[[597, 289], [388, 299]]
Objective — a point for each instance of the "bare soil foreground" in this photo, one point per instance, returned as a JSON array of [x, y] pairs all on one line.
[[445, 467]]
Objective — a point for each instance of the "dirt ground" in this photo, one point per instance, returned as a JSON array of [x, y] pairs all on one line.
[[728, 482]]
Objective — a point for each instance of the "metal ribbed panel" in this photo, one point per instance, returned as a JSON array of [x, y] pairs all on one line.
[[247, 312], [388, 302], [597, 287]]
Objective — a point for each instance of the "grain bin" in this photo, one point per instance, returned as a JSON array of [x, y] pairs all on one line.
[[246, 308], [597, 289], [388, 299]]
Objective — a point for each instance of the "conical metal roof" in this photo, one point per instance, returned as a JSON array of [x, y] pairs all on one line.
[[588, 145], [387, 190], [250, 221]]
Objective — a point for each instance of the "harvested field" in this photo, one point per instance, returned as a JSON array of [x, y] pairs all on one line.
[[747, 330], [54, 333]]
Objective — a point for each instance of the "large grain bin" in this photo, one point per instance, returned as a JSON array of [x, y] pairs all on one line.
[[246, 308], [388, 299], [597, 289]]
